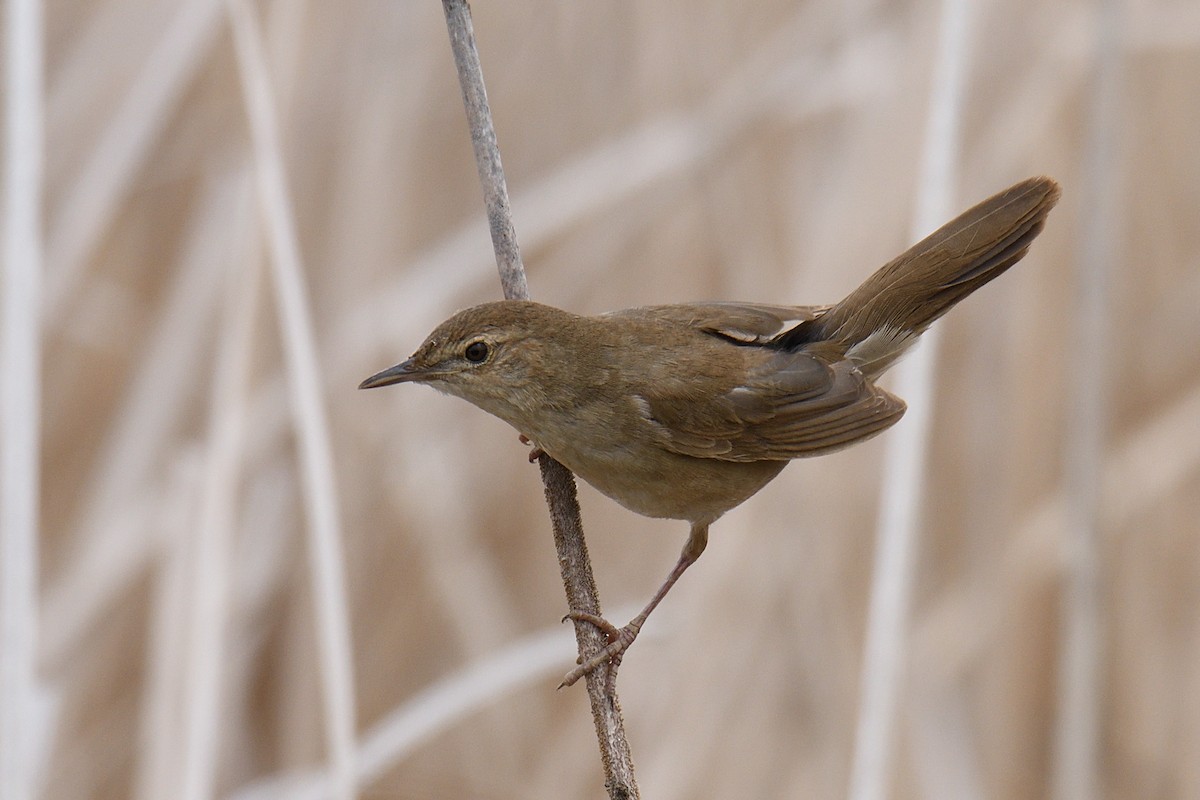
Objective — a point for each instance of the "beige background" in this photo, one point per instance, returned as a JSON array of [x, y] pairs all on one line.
[[656, 152]]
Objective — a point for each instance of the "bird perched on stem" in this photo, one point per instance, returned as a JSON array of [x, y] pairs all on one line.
[[685, 411]]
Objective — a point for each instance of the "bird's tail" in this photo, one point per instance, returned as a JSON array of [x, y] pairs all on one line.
[[879, 320]]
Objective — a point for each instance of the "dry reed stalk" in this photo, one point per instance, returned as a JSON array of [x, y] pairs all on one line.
[[188, 632], [325, 558], [111, 169], [906, 461], [766, 169], [20, 399], [211, 562], [569, 542], [523, 663], [112, 533], [1080, 679]]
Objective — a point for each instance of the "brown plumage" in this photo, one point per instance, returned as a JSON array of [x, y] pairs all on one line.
[[684, 411]]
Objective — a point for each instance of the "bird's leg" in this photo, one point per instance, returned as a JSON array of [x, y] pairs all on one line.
[[619, 639], [536, 452]]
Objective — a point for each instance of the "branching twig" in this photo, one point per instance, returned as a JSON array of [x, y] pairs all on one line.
[[560, 484]]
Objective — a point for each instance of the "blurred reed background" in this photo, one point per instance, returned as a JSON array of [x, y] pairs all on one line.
[[250, 576]]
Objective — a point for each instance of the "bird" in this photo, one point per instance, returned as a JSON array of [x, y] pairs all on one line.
[[685, 411]]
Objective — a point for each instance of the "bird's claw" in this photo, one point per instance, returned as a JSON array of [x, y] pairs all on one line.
[[618, 639], [536, 452]]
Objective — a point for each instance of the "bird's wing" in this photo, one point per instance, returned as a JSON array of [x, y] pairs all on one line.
[[742, 323], [791, 404]]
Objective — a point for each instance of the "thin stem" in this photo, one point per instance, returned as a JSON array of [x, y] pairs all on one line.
[[573, 559], [20, 390], [487, 150], [210, 554], [906, 459], [325, 558], [1080, 679]]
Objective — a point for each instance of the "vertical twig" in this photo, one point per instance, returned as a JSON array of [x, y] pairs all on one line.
[[906, 457], [20, 388], [1079, 680], [560, 484], [487, 150]]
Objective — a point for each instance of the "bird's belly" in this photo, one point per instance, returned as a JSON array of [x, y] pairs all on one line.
[[659, 483]]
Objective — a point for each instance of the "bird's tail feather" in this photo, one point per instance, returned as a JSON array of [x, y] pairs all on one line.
[[880, 318]]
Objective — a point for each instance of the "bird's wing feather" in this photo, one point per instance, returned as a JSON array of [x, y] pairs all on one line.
[[743, 323], [793, 404]]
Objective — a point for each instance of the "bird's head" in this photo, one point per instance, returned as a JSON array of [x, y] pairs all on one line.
[[496, 356]]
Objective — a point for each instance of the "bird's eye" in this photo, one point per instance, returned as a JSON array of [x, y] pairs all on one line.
[[476, 352]]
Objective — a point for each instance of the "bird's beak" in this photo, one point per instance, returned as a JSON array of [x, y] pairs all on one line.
[[404, 371]]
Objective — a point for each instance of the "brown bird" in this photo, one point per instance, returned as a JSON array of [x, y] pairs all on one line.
[[685, 411]]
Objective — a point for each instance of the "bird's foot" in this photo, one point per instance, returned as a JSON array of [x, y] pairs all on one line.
[[536, 452], [619, 640]]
